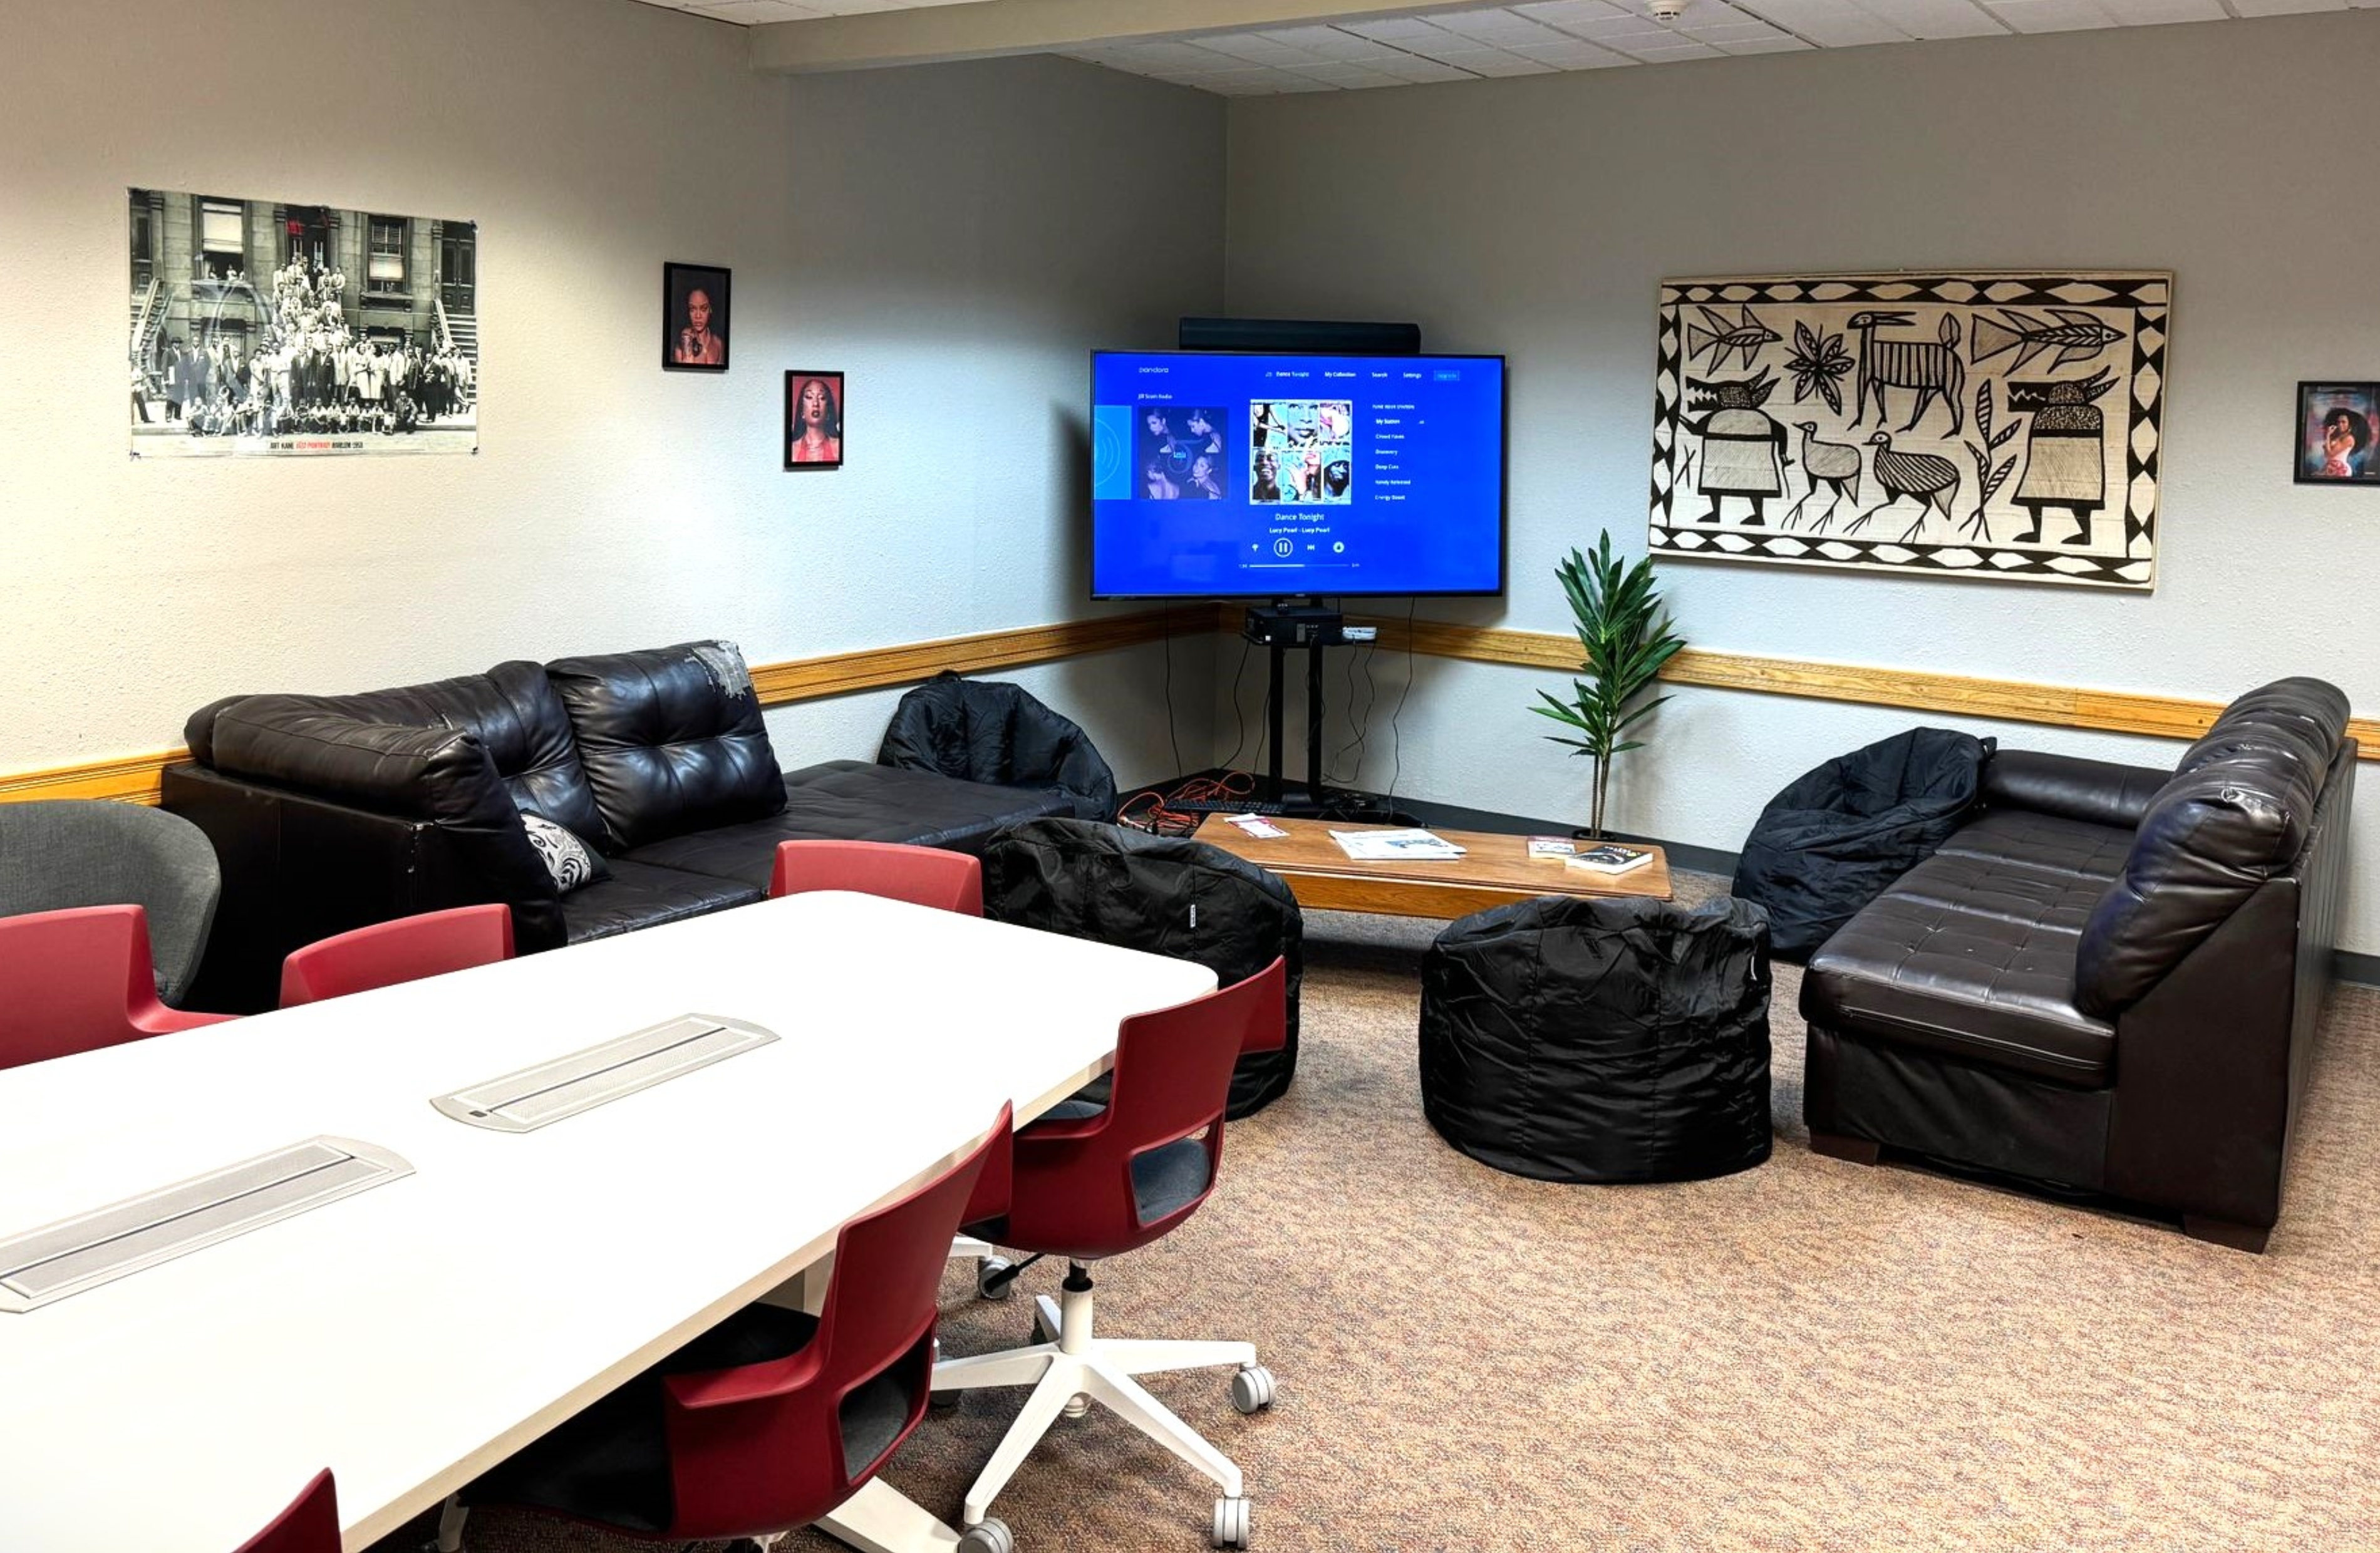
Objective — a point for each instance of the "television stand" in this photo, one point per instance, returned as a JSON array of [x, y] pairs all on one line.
[[1278, 627]]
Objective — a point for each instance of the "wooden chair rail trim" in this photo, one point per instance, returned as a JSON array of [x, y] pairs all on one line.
[[134, 778], [2062, 705]]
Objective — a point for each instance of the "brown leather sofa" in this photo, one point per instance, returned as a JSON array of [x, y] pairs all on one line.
[[2106, 983], [330, 812]]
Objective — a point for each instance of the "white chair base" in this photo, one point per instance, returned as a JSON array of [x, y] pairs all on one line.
[[1074, 1369]]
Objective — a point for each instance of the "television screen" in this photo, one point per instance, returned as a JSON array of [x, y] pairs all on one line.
[[1216, 474]]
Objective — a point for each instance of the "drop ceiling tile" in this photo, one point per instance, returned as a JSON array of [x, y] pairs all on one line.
[[749, 13], [1620, 27], [1784, 43], [1743, 31], [1683, 48], [1566, 14], [1829, 23], [2284, 7], [1576, 54], [1495, 62], [1323, 43], [2050, 16], [1502, 29], [1173, 56], [1936, 19], [1394, 30], [2156, 13], [1411, 68], [1254, 48], [1349, 76]]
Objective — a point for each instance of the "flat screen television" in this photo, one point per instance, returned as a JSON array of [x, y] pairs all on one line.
[[1219, 474]]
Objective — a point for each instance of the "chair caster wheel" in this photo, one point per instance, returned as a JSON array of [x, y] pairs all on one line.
[[942, 1402], [1231, 1522], [984, 1289], [991, 1535], [1251, 1389]]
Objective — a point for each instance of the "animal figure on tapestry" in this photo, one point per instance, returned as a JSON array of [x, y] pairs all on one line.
[[2076, 337], [2065, 455], [1835, 466], [1931, 482], [1743, 450], [1931, 367], [1723, 338]]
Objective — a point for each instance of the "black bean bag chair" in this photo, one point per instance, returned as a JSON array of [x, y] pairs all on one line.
[[1839, 836], [980, 730], [1164, 894], [1600, 1038]]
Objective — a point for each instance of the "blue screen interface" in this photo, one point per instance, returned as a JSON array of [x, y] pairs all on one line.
[[1256, 476]]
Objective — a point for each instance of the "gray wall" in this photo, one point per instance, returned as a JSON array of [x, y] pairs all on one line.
[[955, 239], [1536, 217]]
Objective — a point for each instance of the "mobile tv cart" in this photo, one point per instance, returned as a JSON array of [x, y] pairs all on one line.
[[1278, 627]]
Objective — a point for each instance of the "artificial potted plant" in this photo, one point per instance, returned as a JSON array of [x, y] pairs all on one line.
[[1627, 636]]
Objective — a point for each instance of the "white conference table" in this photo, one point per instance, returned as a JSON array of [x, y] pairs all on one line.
[[415, 1334]]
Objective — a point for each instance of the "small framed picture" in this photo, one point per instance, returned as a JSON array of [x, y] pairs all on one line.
[[695, 306], [813, 420], [2336, 423]]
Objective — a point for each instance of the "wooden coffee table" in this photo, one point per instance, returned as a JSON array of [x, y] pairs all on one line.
[[1492, 871]]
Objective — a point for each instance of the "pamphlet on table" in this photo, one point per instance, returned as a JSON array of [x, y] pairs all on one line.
[[1392, 846]]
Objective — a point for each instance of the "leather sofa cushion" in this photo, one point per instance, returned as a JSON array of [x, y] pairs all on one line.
[[1972, 959], [2236, 812], [2044, 841], [850, 800], [641, 895], [2096, 791], [671, 740], [512, 711]]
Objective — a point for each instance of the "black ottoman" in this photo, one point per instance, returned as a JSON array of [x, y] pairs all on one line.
[[1600, 1039]]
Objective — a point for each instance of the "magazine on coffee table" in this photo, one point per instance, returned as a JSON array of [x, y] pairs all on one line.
[[1609, 857], [1395, 846]]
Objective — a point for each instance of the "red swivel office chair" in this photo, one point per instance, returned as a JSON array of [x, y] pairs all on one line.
[[311, 1524], [1092, 1182], [925, 876], [78, 979], [404, 950], [773, 1418]]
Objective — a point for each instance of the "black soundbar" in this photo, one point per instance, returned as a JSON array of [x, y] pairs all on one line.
[[1312, 336]]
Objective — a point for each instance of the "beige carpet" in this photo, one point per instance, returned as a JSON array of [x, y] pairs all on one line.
[[1808, 1355]]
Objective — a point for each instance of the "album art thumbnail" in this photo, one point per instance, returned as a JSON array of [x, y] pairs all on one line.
[[1181, 454], [1302, 451]]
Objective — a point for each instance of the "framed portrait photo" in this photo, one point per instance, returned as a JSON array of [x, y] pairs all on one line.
[[813, 420], [2336, 425], [695, 309]]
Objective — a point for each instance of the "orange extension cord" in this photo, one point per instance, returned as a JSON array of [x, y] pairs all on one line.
[[1148, 809]]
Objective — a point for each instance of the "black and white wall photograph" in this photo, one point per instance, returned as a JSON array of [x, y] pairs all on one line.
[[266, 329]]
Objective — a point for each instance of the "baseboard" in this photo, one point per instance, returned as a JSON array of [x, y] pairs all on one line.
[[2359, 970]]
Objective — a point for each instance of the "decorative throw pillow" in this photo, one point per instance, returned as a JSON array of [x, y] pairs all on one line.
[[571, 861]]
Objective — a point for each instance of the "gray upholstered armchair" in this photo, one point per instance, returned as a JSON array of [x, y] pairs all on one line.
[[67, 852]]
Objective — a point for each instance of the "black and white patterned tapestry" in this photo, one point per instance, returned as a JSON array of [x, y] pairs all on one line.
[[1994, 424]]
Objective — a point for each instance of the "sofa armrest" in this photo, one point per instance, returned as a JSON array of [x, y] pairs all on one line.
[[298, 867], [2097, 792]]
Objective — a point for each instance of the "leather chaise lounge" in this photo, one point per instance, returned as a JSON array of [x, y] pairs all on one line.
[[330, 812], [2107, 982]]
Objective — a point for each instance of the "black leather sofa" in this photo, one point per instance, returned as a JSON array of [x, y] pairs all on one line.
[[2107, 982], [330, 812]]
